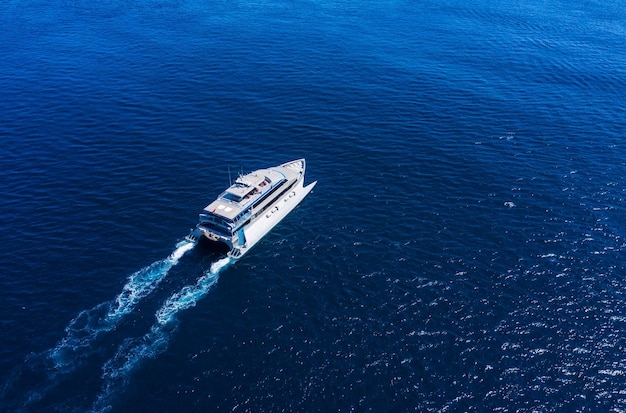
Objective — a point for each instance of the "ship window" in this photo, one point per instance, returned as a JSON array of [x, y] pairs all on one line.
[[216, 228], [231, 197], [269, 193]]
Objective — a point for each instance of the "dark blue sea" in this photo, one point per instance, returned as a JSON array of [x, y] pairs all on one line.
[[463, 250]]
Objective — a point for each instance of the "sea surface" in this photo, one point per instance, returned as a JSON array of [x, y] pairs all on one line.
[[463, 250]]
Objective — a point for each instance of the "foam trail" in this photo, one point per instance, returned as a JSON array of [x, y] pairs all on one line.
[[132, 352], [89, 324]]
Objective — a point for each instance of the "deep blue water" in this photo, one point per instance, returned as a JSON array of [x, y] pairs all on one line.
[[462, 251]]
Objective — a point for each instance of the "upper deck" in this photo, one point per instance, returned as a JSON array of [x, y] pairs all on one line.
[[235, 201]]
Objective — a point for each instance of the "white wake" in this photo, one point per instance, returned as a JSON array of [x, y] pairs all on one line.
[[85, 328], [131, 353]]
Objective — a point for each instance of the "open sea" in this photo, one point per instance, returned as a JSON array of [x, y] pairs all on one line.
[[463, 250]]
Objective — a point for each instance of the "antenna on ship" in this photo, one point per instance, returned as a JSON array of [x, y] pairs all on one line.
[[230, 180]]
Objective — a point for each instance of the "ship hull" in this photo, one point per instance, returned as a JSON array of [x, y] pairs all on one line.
[[260, 227]]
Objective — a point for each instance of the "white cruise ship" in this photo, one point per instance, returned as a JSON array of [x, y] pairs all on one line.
[[252, 206]]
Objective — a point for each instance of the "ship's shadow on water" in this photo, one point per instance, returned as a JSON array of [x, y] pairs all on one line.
[[103, 345], [213, 249]]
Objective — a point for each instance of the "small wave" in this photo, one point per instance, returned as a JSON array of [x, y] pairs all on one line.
[[89, 324], [130, 354], [609, 372]]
